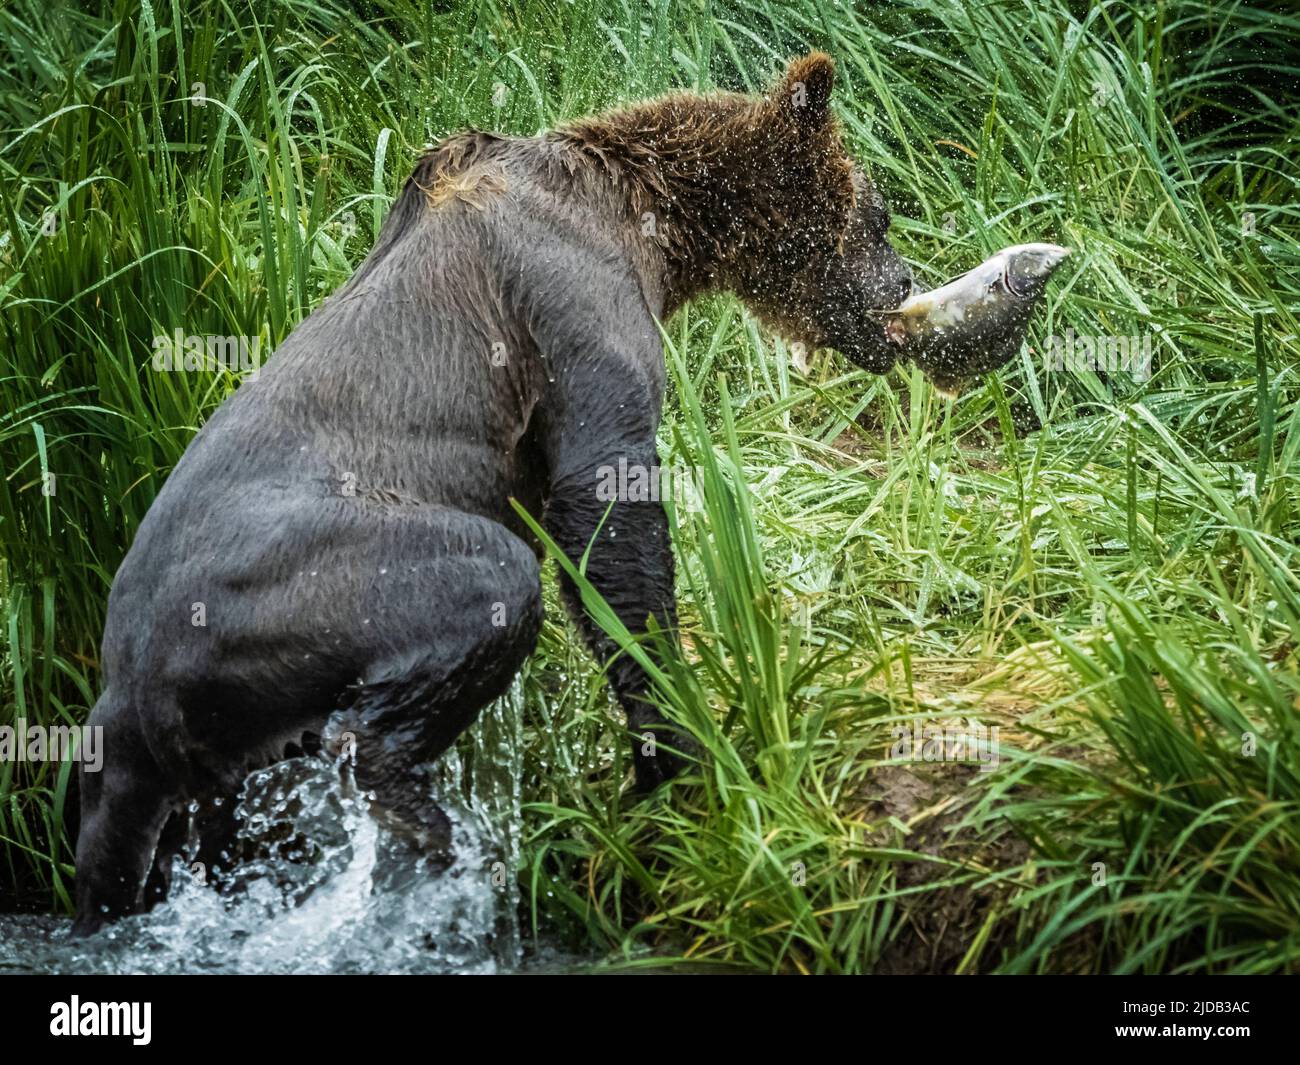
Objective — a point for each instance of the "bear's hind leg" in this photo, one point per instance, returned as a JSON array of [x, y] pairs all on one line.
[[477, 625], [124, 807]]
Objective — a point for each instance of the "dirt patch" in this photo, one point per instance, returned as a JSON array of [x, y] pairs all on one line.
[[940, 924]]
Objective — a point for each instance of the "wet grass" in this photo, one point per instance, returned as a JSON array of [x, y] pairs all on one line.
[[1101, 565]]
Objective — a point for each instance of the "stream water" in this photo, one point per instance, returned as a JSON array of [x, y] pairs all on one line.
[[330, 891]]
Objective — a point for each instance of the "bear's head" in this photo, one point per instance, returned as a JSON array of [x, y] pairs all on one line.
[[823, 262], [757, 195]]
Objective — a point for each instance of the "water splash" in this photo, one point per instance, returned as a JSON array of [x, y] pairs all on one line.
[[485, 777], [328, 890]]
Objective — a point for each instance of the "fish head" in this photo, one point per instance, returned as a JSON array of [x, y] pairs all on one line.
[[1028, 266], [976, 323]]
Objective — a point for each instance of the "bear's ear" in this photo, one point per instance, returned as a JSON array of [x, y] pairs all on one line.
[[805, 91]]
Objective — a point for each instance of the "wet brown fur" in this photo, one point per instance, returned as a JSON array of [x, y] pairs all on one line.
[[455, 170], [703, 166], [694, 175]]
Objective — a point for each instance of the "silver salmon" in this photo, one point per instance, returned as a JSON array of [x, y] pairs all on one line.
[[974, 324]]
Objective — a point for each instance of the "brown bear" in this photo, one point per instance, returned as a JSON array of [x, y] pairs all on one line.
[[336, 552]]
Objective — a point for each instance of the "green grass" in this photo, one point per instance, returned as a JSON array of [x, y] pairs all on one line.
[[1118, 589]]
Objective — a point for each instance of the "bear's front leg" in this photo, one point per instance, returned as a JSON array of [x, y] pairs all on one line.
[[630, 564], [603, 462]]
